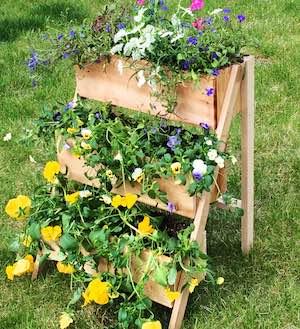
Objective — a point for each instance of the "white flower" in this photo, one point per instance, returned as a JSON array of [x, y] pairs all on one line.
[[212, 154], [141, 78], [106, 199], [200, 166], [120, 35], [209, 142], [177, 37], [233, 159], [31, 159], [120, 67], [85, 194], [138, 18], [138, 172], [86, 133], [216, 11], [117, 48], [67, 146], [7, 137], [118, 156], [219, 161]]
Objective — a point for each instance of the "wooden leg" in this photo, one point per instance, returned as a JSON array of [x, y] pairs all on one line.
[[247, 126]]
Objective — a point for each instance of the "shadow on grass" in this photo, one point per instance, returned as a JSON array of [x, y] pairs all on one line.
[[36, 19]]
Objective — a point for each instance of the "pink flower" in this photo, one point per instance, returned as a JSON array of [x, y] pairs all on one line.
[[198, 24], [196, 5], [140, 2]]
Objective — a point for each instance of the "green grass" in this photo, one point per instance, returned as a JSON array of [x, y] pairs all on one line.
[[261, 290]]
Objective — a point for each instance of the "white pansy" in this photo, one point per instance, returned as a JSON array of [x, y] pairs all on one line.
[[120, 66], [212, 154], [113, 180], [141, 78], [177, 37], [31, 159], [85, 194], [86, 133], [200, 166], [106, 199], [117, 48], [233, 159], [216, 11], [138, 18], [219, 161], [118, 157], [7, 137], [164, 34], [209, 142], [137, 173], [120, 35]]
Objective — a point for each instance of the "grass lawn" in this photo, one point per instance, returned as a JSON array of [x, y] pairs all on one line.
[[261, 290]]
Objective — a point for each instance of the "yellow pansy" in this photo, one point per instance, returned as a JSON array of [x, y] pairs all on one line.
[[65, 320], [194, 283], [130, 200], [176, 167], [172, 295], [86, 133], [51, 233], [22, 266], [27, 241], [152, 325], [138, 175], [72, 130], [97, 291], [52, 168], [18, 207], [65, 268], [85, 146], [109, 174], [144, 226], [80, 122], [9, 272], [72, 198], [116, 201], [220, 280]]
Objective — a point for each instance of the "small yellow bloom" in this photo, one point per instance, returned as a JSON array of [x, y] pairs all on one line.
[[65, 268], [130, 200], [72, 198], [85, 146], [144, 226], [138, 175], [27, 241], [152, 325], [172, 295], [23, 266], [97, 291], [18, 207], [65, 320], [194, 283], [220, 280], [51, 233], [109, 174], [80, 122], [86, 133], [72, 130], [52, 168], [176, 167], [116, 201], [10, 272]]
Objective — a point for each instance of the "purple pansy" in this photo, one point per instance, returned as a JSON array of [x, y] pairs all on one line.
[[173, 141], [210, 91], [204, 125], [66, 55], [241, 18], [72, 34], [171, 207], [226, 18], [69, 106], [98, 115], [121, 26], [107, 28], [197, 174], [60, 36], [215, 72], [192, 40], [226, 10], [33, 61], [186, 65]]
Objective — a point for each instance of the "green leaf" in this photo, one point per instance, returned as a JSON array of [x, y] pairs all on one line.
[[172, 276], [14, 246], [34, 231], [122, 315], [180, 57], [76, 296], [97, 236], [68, 242], [66, 222], [160, 276], [194, 75]]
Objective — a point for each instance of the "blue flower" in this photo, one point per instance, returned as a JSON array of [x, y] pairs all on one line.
[[66, 55], [72, 34], [210, 91], [214, 55], [226, 18], [241, 18], [173, 141], [107, 28], [215, 72], [69, 106], [97, 115], [60, 36], [213, 30], [208, 21], [204, 125], [192, 40], [121, 26], [226, 10], [197, 174], [171, 207], [33, 61], [186, 65]]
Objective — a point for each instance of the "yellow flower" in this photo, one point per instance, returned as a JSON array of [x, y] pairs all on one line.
[[109, 174], [138, 175], [106, 199], [80, 122], [9, 272], [75, 154], [72, 198], [27, 241], [220, 280], [97, 291], [23, 266], [51, 169], [176, 167], [72, 130], [86, 133], [172, 295], [85, 145], [18, 207], [144, 226], [194, 283], [65, 320], [130, 200], [65, 268], [116, 201], [152, 325], [51, 233]]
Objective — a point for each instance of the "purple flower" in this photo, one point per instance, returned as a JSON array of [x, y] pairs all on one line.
[[173, 141], [197, 174], [60, 36], [165, 8], [214, 55], [226, 18], [215, 72], [69, 106], [107, 28], [98, 115], [204, 125], [33, 61], [210, 91], [57, 116], [66, 55], [171, 207], [178, 131], [213, 30], [192, 40], [186, 65], [121, 26], [72, 34], [241, 18], [208, 21], [226, 10]]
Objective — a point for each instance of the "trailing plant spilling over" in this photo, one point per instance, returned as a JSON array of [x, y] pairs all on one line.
[[100, 238], [178, 43]]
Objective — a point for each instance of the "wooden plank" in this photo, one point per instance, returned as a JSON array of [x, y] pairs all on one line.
[[247, 127]]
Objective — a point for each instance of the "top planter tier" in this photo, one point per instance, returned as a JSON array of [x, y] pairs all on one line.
[[104, 82]]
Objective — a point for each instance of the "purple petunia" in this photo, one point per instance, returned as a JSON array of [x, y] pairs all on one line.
[[192, 40], [197, 174], [210, 91], [241, 18], [173, 141], [171, 207]]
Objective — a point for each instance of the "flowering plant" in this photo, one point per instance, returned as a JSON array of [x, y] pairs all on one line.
[[178, 43]]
